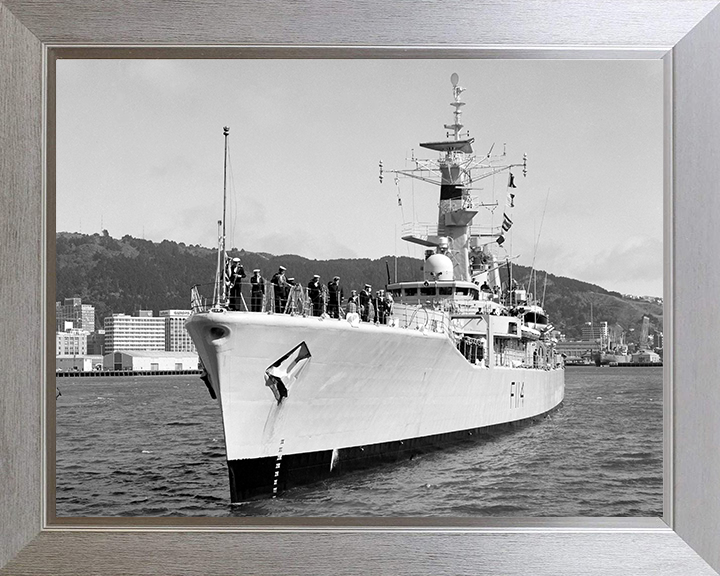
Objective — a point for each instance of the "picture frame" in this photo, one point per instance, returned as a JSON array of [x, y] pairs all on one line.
[[684, 34]]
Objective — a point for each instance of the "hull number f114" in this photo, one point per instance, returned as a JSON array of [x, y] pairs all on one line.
[[517, 394]]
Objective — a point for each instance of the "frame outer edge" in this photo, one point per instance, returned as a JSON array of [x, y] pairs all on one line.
[[20, 165], [21, 229], [402, 22], [696, 174]]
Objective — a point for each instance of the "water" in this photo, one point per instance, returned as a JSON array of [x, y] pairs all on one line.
[[153, 446]]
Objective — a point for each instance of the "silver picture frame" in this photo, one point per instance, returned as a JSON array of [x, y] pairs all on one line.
[[685, 34]]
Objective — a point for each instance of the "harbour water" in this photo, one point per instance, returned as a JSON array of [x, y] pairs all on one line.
[[153, 446]]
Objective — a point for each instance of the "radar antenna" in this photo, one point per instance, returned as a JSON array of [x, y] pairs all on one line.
[[457, 90]]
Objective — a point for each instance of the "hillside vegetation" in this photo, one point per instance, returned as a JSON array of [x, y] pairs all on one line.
[[130, 274]]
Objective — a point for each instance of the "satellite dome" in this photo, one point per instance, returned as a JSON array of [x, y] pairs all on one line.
[[438, 267]]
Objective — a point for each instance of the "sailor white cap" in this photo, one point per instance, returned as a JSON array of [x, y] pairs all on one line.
[[236, 259], [316, 275], [336, 278], [256, 270], [283, 268]]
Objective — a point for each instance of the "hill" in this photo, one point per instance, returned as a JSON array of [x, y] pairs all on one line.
[[129, 274]]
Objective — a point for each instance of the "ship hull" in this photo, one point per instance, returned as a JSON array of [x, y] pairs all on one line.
[[256, 477], [349, 396], [606, 358]]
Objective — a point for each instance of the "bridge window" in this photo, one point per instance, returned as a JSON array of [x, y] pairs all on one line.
[[445, 290], [411, 291], [427, 291]]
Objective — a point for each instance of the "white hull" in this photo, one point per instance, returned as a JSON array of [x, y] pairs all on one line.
[[362, 385]]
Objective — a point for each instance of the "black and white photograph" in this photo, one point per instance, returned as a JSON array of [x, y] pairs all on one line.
[[359, 288]]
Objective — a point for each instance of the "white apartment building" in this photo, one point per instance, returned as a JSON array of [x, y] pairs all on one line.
[[144, 332], [177, 338], [71, 343]]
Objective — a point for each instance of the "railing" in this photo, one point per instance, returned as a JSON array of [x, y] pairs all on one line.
[[294, 299], [539, 358], [248, 297], [465, 203], [422, 317], [200, 301], [425, 229]]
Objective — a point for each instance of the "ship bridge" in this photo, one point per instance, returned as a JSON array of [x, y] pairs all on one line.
[[455, 296], [455, 290]]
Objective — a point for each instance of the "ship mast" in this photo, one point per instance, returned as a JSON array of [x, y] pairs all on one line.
[[457, 90], [221, 296], [456, 172], [226, 133]]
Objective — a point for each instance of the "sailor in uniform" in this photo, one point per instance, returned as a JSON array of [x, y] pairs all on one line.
[[257, 291], [334, 297], [365, 305], [380, 307], [388, 303], [280, 288], [237, 273], [314, 293], [353, 302]]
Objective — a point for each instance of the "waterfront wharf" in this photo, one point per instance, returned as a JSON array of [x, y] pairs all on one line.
[[109, 373]]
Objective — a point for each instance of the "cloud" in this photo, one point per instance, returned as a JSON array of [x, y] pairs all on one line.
[[637, 261]]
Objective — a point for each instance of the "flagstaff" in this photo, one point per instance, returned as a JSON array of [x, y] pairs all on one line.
[[226, 133]]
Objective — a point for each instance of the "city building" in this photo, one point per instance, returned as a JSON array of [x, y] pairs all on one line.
[[59, 317], [96, 343], [142, 332], [616, 336], [646, 357], [82, 316], [177, 338], [78, 363], [71, 343], [579, 349], [143, 360], [597, 331], [659, 339]]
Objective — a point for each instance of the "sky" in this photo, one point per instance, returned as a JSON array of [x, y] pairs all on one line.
[[140, 151]]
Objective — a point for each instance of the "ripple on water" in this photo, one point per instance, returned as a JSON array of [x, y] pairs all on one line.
[[140, 447]]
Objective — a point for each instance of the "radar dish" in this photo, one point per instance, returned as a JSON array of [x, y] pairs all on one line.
[[454, 79]]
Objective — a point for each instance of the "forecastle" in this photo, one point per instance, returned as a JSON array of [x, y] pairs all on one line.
[[127, 274]]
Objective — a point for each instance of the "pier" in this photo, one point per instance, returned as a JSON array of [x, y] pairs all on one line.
[[110, 373]]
